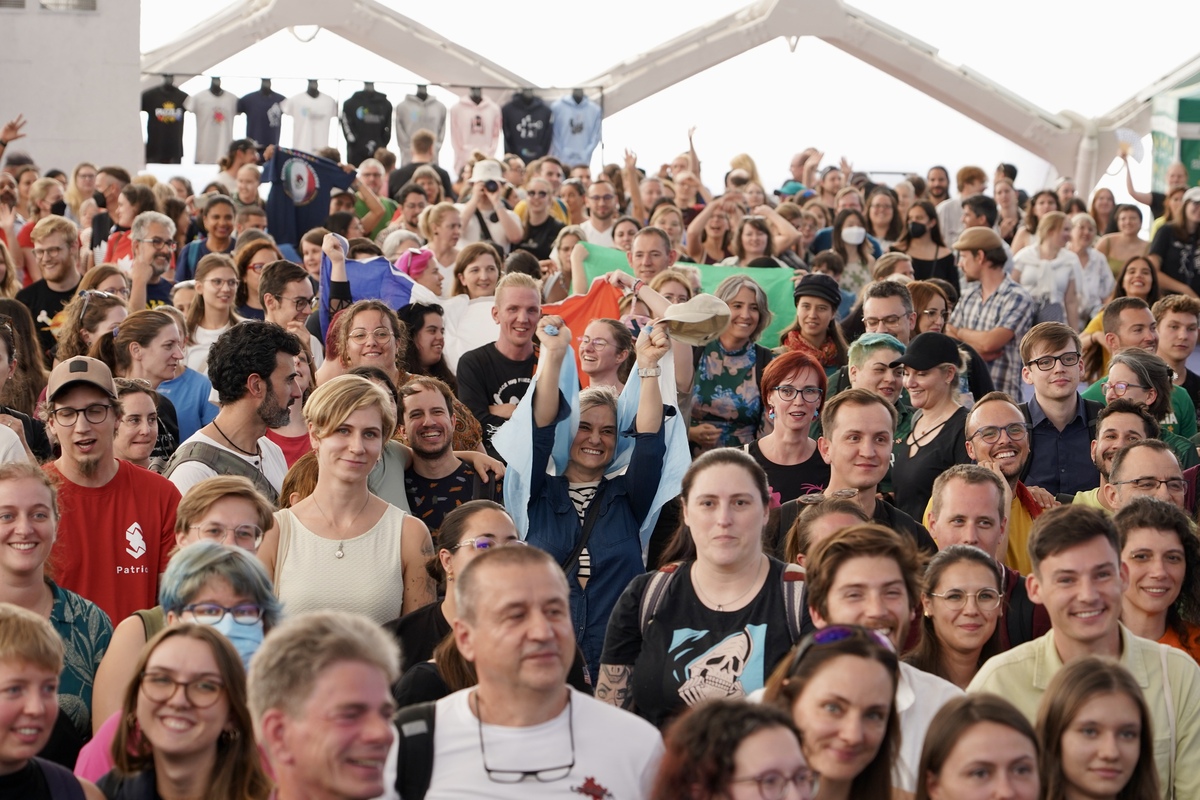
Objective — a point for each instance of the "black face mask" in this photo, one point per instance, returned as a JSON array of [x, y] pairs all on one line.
[[917, 229], [59, 208]]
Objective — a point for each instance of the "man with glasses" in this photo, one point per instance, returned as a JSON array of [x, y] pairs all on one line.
[[1120, 423], [153, 236], [970, 505], [412, 201], [1145, 468], [1062, 424], [56, 250], [286, 295], [118, 520], [253, 368], [602, 211], [522, 732], [371, 176], [994, 312]]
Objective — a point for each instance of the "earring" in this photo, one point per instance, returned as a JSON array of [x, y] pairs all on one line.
[[770, 412]]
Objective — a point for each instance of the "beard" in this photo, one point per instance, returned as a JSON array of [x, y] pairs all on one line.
[[418, 447], [88, 466], [272, 413]]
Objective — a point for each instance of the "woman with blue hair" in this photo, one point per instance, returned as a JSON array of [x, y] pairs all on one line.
[[208, 583]]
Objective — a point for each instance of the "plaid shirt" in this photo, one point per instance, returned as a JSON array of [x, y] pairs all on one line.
[[1009, 307]]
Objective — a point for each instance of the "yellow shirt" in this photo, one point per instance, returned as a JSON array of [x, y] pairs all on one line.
[[558, 210], [1022, 674]]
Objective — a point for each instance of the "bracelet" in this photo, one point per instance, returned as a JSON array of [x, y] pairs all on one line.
[[3, 143], [638, 285], [649, 372]]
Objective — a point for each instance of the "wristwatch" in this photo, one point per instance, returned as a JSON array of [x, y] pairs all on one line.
[[652, 372]]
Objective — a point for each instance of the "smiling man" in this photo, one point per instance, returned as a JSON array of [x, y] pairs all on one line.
[[869, 575], [1178, 318], [1078, 576], [1145, 468], [286, 295], [118, 520], [493, 378], [438, 481], [319, 693], [1122, 422]]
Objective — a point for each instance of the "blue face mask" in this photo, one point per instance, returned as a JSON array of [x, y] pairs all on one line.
[[246, 639]]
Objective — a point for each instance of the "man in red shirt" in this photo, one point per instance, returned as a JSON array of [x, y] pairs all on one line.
[[117, 523]]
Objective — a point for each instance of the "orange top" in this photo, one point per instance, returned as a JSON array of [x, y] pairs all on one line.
[[1172, 638]]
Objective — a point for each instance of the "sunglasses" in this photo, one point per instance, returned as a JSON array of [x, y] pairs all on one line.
[[833, 634]]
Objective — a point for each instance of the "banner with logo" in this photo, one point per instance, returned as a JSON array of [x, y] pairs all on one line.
[[299, 198]]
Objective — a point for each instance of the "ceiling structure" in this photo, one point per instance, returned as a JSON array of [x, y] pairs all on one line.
[[1073, 144]]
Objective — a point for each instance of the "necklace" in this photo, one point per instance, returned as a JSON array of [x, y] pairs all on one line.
[[341, 542], [257, 450], [721, 606]]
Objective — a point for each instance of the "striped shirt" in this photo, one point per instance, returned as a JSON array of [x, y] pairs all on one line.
[[1010, 306], [581, 496]]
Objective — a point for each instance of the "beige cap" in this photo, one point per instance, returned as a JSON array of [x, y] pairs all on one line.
[[81, 369], [978, 238], [698, 321]]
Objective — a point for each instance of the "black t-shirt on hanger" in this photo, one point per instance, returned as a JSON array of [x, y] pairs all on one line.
[[164, 127]]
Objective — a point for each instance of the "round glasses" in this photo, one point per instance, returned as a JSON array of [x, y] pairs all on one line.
[[200, 692], [955, 599], [67, 417], [249, 536], [379, 335], [213, 613], [991, 433], [810, 394], [1119, 388], [773, 785]]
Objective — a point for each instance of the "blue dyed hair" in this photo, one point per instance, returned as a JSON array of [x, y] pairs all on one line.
[[195, 565], [870, 342]]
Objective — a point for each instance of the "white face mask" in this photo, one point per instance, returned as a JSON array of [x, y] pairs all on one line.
[[854, 236]]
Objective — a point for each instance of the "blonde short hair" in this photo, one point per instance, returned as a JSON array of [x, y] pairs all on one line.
[[201, 497], [48, 226], [29, 638], [337, 399]]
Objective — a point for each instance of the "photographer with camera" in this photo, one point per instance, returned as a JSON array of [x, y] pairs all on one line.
[[485, 215]]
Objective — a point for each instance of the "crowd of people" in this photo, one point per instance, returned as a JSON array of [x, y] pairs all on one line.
[[930, 532]]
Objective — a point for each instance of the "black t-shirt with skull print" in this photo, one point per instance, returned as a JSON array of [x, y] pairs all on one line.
[[691, 653]]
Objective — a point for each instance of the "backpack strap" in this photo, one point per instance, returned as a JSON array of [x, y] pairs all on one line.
[[225, 463], [414, 765], [61, 781], [656, 590], [793, 598]]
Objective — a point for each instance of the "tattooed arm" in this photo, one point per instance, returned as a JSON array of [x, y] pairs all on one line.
[[616, 685], [416, 548]]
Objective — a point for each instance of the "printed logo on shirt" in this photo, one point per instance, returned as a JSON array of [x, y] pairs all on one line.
[[576, 125], [301, 181], [529, 127], [137, 542], [477, 125], [591, 788], [274, 115], [168, 113], [731, 667]]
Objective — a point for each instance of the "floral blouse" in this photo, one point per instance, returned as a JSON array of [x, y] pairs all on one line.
[[726, 395]]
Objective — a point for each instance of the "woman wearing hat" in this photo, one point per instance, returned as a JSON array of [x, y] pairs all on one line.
[[932, 365], [485, 217], [816, 330], [1173, 251]]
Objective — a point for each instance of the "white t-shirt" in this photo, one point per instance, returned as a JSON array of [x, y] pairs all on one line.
[[272, 464], [11, 449], [471, 232], [318, 351], [919, 696], [602, 238], [616, 753], [197, 354], [214, 123], [310, 117]]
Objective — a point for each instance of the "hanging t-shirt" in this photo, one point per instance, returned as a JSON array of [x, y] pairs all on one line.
[[164, 107], [414, 114], [214, 123], [299, 197], [264, 113], [114, 540], [311, 117], [46, 305], [367, 123], [576, 129], [527, 127]]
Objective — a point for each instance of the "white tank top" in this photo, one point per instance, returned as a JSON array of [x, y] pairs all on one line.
[[367, 579]]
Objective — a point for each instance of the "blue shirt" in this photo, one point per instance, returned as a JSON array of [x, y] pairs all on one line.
[[189, 393], [1060, 461]]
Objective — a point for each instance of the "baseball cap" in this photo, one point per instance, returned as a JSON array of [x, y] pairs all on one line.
[[978, 238], [81, 369], [698, 321], [790, 189], [928, 350], [1192, 195], [487, 170], [338, 191]]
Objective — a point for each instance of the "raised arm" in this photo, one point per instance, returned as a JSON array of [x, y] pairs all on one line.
[[652, 344], [375, 209], [694, 158], [657, 305], [1145, 198], [633, 180], [695, 230], [555, 348], [786, 234]]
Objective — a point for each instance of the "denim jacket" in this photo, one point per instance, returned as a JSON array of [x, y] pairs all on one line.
[[614, 545]]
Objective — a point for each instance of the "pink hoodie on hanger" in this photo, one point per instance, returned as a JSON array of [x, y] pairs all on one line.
[[474, 127]]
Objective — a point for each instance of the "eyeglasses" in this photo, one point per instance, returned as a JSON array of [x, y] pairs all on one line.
[[596, 344], [991, 433], [40, 253], [820, 497], [1148, 484], [607, 198], [810, 394], [229, 283], [95, 414], [379, 335], [256, 268], [891, 320], [200, 692], [548, 775], [212, 613], [301, 303], [933, 313], [538, 193], [242, 534], [88, 294], [774, 785], [1046, 363], [485, 543], [1120, 388], [985, 599], [160, 244], [836, 633]]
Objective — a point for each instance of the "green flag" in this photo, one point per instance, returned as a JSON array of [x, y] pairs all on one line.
[[776, 283]]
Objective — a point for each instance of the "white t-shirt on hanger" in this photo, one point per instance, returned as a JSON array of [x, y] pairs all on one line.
[[311, 116], [214, 123]]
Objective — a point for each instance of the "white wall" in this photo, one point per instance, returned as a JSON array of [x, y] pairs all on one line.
[[74, 75]]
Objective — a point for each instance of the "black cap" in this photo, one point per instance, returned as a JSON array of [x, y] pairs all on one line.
[[928, 350], [818, 285]]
